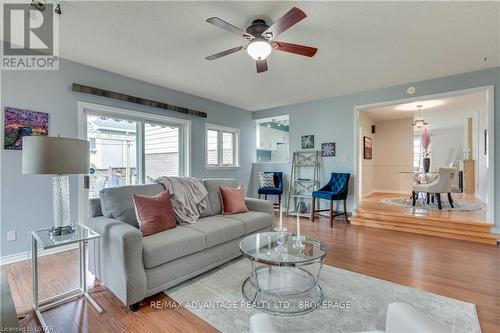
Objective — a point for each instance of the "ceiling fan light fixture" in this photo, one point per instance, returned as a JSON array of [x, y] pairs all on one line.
[[259, 49]]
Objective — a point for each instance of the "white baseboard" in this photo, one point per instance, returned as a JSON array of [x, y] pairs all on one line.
[[16, 257]]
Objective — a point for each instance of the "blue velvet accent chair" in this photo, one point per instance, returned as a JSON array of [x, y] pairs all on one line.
[[336, 190], [276, 190]]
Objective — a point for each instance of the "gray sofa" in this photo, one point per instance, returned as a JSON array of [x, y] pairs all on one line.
[[134, 267]]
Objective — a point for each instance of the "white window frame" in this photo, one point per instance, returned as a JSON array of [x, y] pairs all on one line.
[[141, 118], [236, 146]]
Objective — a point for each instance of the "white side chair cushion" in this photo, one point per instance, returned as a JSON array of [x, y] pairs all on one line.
[[420, 188], [261, 323], [266, 180], [402, 317]]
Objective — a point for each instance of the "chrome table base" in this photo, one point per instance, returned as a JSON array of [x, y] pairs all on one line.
[[54, 301]]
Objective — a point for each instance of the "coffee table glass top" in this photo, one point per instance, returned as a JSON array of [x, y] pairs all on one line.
[[261, 248], [47, 240]]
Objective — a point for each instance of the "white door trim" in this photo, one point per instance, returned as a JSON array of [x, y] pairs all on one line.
[[490, 93]]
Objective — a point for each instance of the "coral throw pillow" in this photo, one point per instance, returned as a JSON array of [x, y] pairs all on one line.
[[233, 200], [154, 214]]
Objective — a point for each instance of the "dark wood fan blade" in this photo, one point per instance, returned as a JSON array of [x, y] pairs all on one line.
[[225, 53], [261, 65], [295, 48], [292, 17], [229, 27]]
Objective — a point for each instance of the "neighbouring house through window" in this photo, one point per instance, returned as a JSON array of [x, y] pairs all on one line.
[[128, 150]]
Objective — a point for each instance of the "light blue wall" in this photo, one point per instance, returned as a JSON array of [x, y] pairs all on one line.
[[332, 120], [26, 202]]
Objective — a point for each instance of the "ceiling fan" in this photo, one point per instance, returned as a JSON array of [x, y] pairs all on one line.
[[261, 38]]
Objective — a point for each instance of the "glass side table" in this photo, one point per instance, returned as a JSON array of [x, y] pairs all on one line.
[[45, 240]]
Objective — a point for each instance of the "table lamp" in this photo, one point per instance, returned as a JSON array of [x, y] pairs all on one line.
[[59, 157]]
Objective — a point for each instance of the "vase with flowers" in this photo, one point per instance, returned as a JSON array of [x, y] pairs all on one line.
[[426, 141]]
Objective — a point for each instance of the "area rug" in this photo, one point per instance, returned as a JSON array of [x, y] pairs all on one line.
[[406, 202], [216, 296]]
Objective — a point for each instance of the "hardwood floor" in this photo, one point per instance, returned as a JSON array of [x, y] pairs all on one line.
[[476, 216], [463, 225], [458, 269]]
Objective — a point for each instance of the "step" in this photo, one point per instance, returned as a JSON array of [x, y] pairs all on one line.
[[425, 220], [485, 238], [405, 214], [429, 227]]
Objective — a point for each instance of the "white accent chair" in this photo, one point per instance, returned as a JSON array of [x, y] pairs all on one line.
[[261, 323], [400, 318], [404, 318], [442, 184]]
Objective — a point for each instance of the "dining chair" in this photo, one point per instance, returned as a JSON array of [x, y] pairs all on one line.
[[442, 184]]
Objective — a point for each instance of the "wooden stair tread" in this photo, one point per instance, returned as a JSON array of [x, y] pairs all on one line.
[[484, 239], [430, 218], [422, 221], [474, 233]]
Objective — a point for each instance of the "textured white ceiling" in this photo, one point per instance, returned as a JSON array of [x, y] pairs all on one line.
[[448, 112], [362, 46]]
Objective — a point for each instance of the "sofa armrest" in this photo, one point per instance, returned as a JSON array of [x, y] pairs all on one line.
[[121, 267], [260, 205]]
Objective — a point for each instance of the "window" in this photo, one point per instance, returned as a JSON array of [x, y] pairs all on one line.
[[212, 153], [128, 148], [227, 148], [161, 150], [417, 153], [222, 146], [113, 155]]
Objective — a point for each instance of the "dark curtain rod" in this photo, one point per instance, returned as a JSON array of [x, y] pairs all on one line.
[[133, 99]]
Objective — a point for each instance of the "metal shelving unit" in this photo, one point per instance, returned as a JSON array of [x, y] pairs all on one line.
[[304, 164]]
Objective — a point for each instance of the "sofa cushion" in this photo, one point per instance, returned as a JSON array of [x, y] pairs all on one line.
[[218, 229], [253, 221], [118, 202], [154, 214], [212, 186], [171, 244], [233, 200]]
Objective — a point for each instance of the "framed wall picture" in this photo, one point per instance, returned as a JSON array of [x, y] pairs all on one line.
[[367, 148], [328, 149], [19, 123], [307, 141]]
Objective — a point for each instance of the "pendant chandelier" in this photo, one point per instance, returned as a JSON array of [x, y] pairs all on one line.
[[418, 121]]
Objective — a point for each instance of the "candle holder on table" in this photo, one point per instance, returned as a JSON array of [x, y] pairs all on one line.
[[281, 248], [299, 242]]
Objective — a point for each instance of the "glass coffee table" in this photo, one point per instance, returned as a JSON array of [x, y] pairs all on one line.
[[283, 280]]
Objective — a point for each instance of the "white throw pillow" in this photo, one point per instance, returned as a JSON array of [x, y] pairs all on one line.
[[266, 180]]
